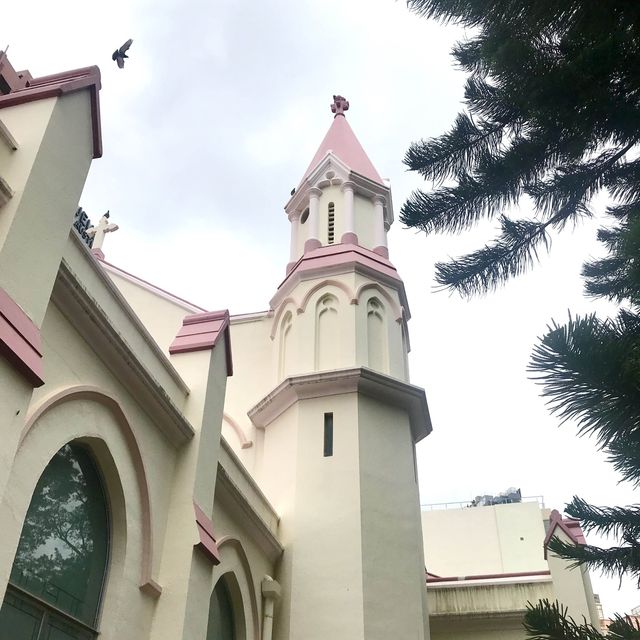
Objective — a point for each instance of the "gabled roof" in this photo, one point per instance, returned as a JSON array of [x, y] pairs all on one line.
[[570, 526], [342, 142], [18, 87]]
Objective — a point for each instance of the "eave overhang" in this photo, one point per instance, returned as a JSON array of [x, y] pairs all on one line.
[[344, 381], [142, 366]]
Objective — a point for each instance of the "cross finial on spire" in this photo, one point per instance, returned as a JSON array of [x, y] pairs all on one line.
[[339, 106], [100, 230]]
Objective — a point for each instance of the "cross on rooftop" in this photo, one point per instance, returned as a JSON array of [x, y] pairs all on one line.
[[98, 232], [340, 105]]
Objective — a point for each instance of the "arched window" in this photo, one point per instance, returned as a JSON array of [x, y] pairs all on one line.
[[327, 333], [286, 350], [56, 582], [376, 336], [331, 223], [221, 620]]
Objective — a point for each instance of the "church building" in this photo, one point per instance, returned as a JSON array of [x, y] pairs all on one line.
[[170, 472]]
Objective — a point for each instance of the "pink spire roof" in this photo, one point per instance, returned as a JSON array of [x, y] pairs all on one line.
[[342, 142]]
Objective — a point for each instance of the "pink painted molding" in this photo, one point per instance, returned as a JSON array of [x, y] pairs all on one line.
[[202, 331], [343, 381], [245, 443], [570, 526], [349, 238], [382, 251], [432, 579], [312, 244], [244, 576], [207, 542], [144, 283], [341, 258], [25, 88], [20, 340]]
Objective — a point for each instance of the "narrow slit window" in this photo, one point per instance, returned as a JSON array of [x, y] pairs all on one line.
[[331, 231], [328, 434]]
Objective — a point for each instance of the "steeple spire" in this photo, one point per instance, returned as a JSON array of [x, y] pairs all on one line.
[[341, 199], [341, 141]]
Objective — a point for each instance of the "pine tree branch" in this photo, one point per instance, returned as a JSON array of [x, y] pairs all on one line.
[[549, 621], [615, 561], [589, 370], [622, 522], [623, 628], [511, 254], [624, 455]]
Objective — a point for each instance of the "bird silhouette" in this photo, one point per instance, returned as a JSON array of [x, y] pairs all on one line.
[[120, 54]]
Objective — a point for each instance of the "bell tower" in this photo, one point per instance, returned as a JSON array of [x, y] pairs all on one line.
[[336, 431], [341, 197]]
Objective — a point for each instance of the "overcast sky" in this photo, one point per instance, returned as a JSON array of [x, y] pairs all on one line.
[[212, 122]]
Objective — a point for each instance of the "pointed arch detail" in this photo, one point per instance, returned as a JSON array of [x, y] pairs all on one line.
[[278, 315], [236, 545], [325, 283], [245, 442], [89, 392], [397, 310]]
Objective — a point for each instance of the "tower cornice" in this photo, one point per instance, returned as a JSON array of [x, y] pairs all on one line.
[[337, 259], [342, 381]]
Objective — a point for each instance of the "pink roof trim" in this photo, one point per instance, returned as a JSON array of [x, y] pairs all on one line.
[[342, 142], [570, 526], [432, 579], [24, 88], [20, 340], [334, 254], [142, 281], [207, 542], [202, 331]]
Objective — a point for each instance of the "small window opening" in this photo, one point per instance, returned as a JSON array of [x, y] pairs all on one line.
[[331, 234], [328, 434], [304, 216]]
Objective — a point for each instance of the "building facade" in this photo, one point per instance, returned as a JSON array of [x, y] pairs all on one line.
[[171, 472]]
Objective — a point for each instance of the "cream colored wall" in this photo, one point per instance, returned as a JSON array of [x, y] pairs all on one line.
[[484, 540], [28, 124], [70, 362], [392, 560], [258, 357], [162, 317], [318, 499], [572, 587], [365, 221], [478, 628], [31, 246]]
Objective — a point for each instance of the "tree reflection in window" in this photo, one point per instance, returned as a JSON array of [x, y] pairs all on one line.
[[62, 554]]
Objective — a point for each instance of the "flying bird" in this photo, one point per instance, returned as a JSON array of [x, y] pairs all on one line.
[[120, 54]]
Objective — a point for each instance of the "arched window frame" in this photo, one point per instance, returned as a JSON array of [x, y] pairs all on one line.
[[327, 304], [376, 309], [286, 327]]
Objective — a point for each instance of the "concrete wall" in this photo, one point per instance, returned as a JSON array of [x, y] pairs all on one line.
[[484, 540]]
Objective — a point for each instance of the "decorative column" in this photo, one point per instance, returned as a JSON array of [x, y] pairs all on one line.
[[380, 237], [294, 219], [349, 236], [271, 592], [313, 241]]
